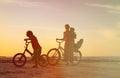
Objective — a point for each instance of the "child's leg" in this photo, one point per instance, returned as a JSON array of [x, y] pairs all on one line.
[[37, 56]]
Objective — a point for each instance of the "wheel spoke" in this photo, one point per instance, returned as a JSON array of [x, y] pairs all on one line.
[[53, 56], [19, 60]]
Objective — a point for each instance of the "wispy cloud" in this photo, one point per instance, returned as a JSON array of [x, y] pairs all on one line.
[[105, 6], [110, 8], [24, 3], [112, 32], [113, 11]]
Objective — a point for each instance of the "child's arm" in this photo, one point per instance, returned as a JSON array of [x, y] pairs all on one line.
[[26, 39]]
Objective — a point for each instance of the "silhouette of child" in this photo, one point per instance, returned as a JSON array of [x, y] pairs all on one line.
[[72, 34], [35, 45], [72, 42]]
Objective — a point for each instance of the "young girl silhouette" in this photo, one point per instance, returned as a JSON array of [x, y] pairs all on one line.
[[35, 45]]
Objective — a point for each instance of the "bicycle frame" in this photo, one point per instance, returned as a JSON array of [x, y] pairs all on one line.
[[26, 49], [61, 50]]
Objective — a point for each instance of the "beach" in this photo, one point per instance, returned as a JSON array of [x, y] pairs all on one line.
[[88, 68]]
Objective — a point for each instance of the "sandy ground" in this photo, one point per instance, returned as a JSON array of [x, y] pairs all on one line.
[[86, 69]]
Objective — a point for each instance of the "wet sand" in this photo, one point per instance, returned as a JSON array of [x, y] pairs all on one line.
[[86, 69]]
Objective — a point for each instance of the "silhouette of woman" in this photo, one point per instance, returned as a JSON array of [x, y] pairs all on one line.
[[68, 36]]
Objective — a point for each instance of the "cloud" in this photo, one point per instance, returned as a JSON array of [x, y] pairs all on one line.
[[104, 6], [110, 8], [112, 32], [114, 12], [24, 3]]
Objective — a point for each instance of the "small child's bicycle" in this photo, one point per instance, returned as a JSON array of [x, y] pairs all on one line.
[[20, 59]]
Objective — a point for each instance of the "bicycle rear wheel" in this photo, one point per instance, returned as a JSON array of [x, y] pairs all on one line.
[[76, 57], [53, 56], [43, 60], [19, 59]]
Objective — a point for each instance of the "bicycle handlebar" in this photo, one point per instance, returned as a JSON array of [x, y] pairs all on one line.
[[26, 41], [59, 40]]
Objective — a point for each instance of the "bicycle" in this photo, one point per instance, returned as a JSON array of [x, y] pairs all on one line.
[[20, 59], [55, 54]]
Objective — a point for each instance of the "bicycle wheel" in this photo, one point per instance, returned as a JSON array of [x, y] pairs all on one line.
[[19, 59], [53, 56], [76, 57], [43, 60]]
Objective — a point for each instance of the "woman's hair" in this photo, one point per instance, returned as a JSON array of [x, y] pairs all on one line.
[[29, 33], [67, 26]]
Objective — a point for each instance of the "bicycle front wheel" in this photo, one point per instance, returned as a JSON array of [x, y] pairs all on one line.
[[19, 59], [53, 56]]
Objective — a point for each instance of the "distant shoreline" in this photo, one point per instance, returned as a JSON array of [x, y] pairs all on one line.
[[6, 59]]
